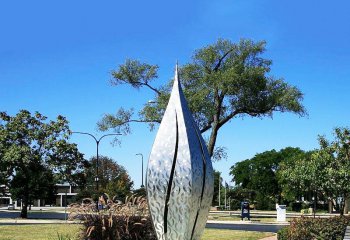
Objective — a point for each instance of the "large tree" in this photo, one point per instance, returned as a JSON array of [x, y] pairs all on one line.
[[113, 179], [259, 174], [224, 80], [324, 171], [34, 154], [335, 156], [298, 176]]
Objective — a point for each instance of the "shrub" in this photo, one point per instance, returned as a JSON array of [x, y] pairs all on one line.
[[116, 221], [282, 234], [304, 211], [296, 206], [315, 229]]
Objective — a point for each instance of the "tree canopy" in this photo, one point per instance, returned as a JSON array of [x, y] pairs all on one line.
[[224, 80], [113, 179], [35, 154], [260, 174], [324, 171]]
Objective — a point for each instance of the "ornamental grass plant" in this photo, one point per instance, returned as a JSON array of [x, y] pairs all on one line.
[[116, 220]]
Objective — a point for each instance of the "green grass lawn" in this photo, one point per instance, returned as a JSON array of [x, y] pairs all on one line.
[[40, 232], [219, 234], [71, 232]]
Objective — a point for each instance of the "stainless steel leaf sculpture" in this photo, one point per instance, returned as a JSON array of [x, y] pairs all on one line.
[[180, 175]]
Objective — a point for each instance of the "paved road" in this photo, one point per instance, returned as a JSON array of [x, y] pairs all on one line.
[[61, 216], [246, 227], [33, 215]]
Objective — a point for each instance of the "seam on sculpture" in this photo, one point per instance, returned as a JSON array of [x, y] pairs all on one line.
[[204, 176], [171, 179]]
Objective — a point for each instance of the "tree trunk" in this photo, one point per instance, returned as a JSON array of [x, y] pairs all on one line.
[[24, 211], [315, 204], [346, 206], [212, 139], [342, 206], [330, 206]]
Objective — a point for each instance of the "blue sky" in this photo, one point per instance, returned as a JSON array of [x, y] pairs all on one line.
[[56, 58]]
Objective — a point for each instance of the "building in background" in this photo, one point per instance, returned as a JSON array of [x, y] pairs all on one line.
[[64, 196]]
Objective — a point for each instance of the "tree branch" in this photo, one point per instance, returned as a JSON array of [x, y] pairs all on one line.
[[221, 59], [206, 128], [152, 88], [141, 121]]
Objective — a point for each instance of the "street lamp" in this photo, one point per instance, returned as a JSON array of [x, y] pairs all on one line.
[[219, 192], [225, 195], [142, 186], [97, 145]]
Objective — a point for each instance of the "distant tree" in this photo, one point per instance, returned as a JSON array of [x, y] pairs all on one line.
[[298, 175], [324, 171], [113, 178], [41, 183], [223, 81], [140, 192], [238, 194], [259, 175], [335, 161], [33, 150]]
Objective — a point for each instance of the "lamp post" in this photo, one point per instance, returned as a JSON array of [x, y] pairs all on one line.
[[97, 145], [141, 168], [219, 192], [225, 195]]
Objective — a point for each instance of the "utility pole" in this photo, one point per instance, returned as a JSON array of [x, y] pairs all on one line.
[[142, 186], [225, 195], [219, 191]]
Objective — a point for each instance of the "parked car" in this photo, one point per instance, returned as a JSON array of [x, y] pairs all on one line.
[[11, 206]]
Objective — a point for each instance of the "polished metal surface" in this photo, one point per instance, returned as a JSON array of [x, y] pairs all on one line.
[[179, 175]]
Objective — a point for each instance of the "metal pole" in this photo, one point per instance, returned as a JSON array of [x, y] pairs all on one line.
[[219, 191], [97, 166], [225, 196], [65, 208], [97, 156], [141, 169]]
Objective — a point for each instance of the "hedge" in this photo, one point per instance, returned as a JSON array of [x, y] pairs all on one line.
[[315, 229]]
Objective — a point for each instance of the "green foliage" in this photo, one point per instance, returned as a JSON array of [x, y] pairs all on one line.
[[263, 202], [259, 175], [35, 154], [224, 80], [282, 234], [324, 171], [117, 221], [296, 177], [334, 161], [315, 228], [113, 179], [140, 192]]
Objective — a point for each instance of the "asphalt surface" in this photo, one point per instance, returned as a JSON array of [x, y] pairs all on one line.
[[34, 215], [12, 218]]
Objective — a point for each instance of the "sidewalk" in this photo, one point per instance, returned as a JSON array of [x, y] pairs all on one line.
[[270, 238], [32, 221]]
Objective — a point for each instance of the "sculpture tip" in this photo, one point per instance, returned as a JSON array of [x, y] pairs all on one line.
[[177, 71]]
